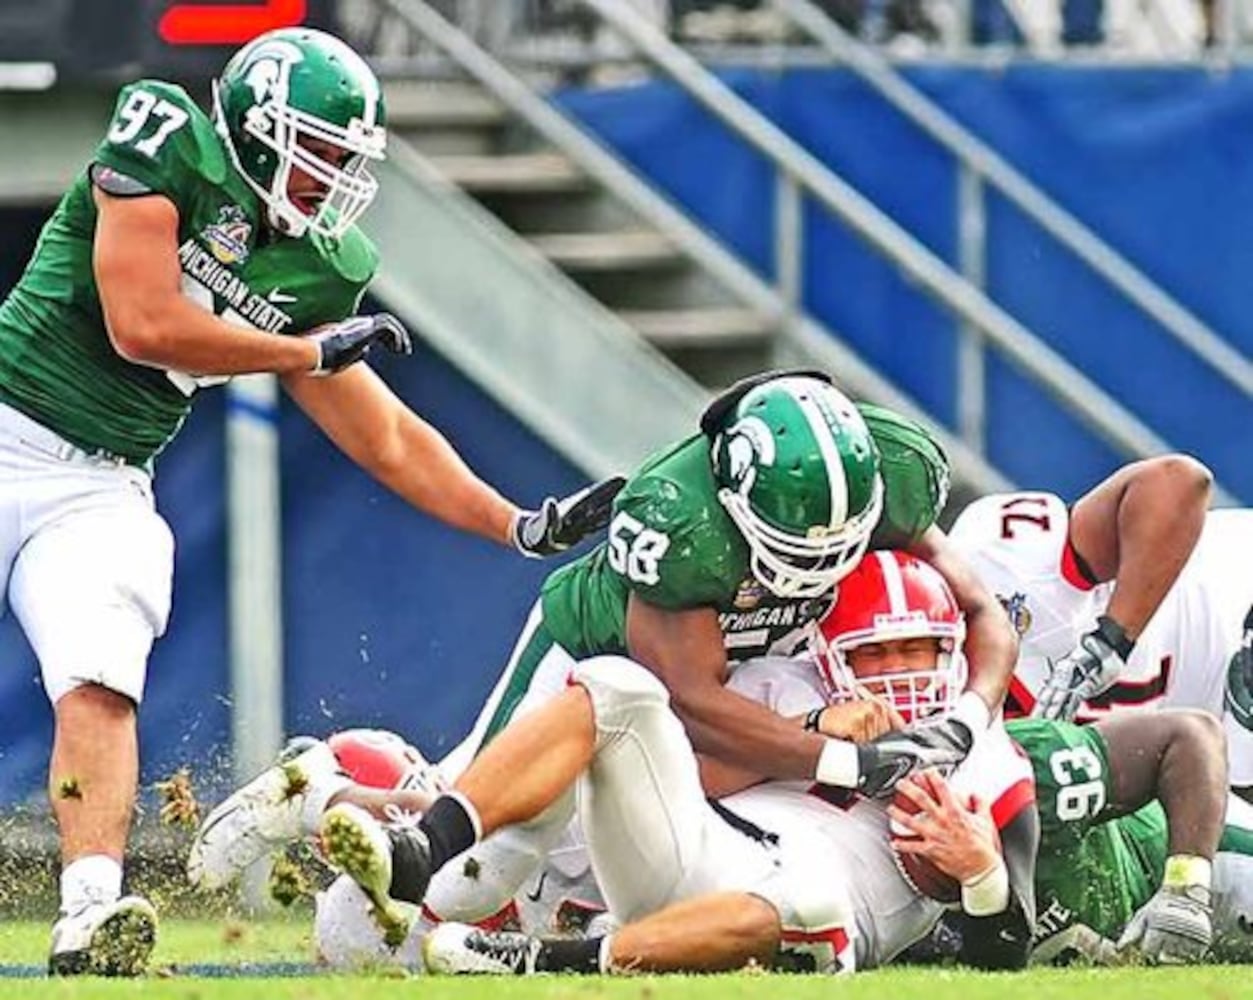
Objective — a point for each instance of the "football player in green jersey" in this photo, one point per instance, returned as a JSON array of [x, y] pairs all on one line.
[[1142, 847], [725, 546], [192, 249]]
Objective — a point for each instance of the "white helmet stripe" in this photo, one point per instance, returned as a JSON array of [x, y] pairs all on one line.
[[822, 433], [894, 582]]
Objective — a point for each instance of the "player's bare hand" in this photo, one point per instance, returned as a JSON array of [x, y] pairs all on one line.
[[958, 838], [859, 721], [345, 343]]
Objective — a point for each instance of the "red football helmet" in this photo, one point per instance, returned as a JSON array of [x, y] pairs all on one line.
[[378, 758], [890, 596]]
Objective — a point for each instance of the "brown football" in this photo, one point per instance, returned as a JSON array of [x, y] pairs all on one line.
[[922, 874]]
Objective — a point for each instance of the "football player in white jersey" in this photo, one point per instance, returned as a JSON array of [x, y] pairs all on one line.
[[896, 636], [1171, 613], [1082, 583], [696, 888]]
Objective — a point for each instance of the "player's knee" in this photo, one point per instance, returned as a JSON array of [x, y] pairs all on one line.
[[1199, 731], [88, 701], [620, 689]]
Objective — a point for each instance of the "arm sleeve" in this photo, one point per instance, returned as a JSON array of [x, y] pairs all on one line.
[[1003, 940]]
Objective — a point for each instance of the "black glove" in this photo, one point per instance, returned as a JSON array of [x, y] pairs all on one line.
[[883, 762], [558, 524], [348, 341]]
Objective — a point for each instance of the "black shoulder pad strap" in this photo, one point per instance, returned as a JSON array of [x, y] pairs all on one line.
[[715, 414]]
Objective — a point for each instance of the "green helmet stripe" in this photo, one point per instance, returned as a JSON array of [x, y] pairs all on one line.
[[823, 437]]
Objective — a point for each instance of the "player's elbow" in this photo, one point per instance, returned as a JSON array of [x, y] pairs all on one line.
[[137, 334], [1185, 482]]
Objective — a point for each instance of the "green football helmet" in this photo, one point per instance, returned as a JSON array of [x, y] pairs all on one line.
[[299, 84], [798, 473]]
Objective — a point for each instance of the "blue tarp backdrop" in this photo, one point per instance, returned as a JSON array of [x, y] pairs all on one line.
[[1157, 161], [394, 620]]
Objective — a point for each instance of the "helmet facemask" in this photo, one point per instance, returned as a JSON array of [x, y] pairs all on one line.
[[795, 566], [267, 134], [916, 694], [893, 597]]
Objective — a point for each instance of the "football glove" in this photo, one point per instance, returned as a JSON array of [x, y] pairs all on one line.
[[559, 524], [348, 341], [1172, 928], [1087, 670], [883, 762]]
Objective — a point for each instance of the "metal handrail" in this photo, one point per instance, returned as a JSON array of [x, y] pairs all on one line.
[[812, 342], [1101, 412], [992, 167]]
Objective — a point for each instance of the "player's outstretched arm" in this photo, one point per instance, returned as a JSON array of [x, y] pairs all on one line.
[[991, 644], [373, 427], [150, 321]]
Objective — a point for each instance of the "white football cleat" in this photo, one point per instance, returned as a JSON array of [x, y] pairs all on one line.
[[453, 949], [357, 844], [265, 815], [104, 939]]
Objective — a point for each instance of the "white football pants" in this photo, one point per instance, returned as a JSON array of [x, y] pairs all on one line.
[[652, 836], [85, 558]]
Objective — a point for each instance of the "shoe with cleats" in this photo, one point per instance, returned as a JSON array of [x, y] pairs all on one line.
[[104, 939]]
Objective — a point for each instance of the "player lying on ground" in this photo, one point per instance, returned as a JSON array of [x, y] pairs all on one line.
[[1132, 810], [649, 854], [722, 547]]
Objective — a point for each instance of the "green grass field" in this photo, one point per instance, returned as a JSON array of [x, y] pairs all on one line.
[[182, 942]]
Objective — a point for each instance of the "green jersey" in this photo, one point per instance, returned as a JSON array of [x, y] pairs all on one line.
[[57, 363], [671, 542], [1092, 869]]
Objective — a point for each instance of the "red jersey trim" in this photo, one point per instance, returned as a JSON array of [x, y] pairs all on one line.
[[1019, 701], [1071, 572], [1013, 801]]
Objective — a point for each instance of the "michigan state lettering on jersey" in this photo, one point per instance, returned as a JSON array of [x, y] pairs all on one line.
[[57, 363], [672, 543], [1092, 868]]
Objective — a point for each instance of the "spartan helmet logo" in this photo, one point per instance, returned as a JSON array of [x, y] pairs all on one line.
[[269, 71], [749, 444]]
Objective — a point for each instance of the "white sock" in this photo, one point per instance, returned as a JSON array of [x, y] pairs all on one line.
[[95, 878]]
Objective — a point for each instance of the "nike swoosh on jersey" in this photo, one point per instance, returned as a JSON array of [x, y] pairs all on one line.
[[279, 298], [539, 888]]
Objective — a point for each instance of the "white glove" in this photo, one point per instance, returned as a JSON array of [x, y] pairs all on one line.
[[1090, 668], [1172, 928]]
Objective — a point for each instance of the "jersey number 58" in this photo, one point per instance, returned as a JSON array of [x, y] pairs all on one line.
[[636, 550]]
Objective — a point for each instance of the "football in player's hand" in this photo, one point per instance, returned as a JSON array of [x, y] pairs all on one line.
[[921, 873]]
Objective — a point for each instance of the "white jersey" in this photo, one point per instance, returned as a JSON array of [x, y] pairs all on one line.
[[890, 913], [1018, 544]]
